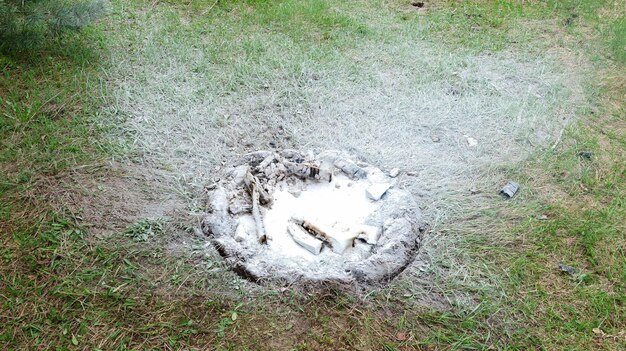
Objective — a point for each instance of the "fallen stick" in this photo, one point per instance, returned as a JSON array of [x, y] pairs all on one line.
[[257, 192], [558, 140], [266, 162], [307, 170], [337, 242], [304, 239], [256, 213], [251, 180]]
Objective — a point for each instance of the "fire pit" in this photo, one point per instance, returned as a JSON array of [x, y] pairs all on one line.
[[293, 217]]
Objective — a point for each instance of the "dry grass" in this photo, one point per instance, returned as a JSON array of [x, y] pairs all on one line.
[[195, 97], [197, 92]]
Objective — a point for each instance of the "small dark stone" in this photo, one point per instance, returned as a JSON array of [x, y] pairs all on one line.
[[272, 144], [418, 4], [567, 269], [586, 154]]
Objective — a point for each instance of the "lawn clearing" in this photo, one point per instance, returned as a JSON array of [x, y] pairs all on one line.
[[108, 141]]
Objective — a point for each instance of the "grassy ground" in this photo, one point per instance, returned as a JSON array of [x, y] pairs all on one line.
[[102, 132]]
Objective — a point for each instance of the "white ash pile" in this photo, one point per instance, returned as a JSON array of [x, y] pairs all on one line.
[[286, 216]]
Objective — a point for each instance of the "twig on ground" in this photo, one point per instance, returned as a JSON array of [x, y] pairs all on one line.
[[558, 140], [253, 187]]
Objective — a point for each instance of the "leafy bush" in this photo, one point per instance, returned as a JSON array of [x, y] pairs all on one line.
[[25, 24]]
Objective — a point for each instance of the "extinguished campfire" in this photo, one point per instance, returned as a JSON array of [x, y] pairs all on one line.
[[294, 217]]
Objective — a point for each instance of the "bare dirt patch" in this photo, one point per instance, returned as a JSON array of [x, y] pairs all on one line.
[[111, 198]]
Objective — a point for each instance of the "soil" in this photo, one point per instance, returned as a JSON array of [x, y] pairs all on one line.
[[118, 196]]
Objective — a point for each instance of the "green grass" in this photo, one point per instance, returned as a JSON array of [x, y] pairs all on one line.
[[48, 105], [62, 289]]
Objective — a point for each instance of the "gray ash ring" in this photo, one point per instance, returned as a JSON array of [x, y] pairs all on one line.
[[293, 218]]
